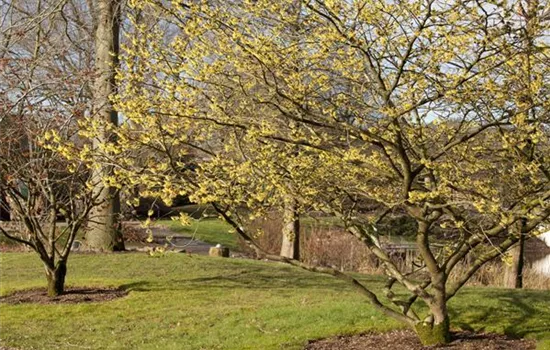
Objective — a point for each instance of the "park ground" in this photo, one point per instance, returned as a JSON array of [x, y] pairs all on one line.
[[183, 301], [187, 301]]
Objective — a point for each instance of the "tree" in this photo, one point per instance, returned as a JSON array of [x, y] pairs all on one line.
[[45, 68], [38, 184], [41, 186], [413, 106], [529, 17], [104, 232], [64, 45], [290, 247]]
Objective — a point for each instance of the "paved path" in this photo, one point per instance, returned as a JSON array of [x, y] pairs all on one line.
[[177, 242]]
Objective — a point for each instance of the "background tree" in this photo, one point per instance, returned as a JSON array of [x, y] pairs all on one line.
[[528, 72], [41, 186], [67, 46], [46, 59], [38, 184], [104, 232], [408, 105]]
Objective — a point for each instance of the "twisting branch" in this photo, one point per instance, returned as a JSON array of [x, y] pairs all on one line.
[[411, 320]]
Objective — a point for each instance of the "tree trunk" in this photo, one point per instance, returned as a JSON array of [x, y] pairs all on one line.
[[514, 273], [290, 247], [435, 329], [56, 278], [435, 333], [513, 277], [104, 233]]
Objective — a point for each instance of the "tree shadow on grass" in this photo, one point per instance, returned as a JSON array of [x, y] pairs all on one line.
[[516, 313], [139, 286], [260, 279], [252, 278]]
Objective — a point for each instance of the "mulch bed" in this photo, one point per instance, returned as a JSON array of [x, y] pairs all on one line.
[[407, 340], [73, 295]]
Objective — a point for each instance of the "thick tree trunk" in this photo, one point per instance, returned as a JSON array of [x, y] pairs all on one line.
[[435, 333], [104, 229], [290, 247], [436, 330], [104, 232], [56, 278]]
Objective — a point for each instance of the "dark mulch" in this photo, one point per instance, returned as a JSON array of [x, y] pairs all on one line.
[[73, 295], [407, 340]]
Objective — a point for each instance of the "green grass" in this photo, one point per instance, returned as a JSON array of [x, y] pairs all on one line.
[[209, 230], [213, 230], [197, 211], [191, 302]]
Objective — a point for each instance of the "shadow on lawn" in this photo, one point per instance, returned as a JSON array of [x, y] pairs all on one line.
[[261, 280], [139, 286], [517, 312], [253, 278]]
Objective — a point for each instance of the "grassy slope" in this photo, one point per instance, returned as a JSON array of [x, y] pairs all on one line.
[[209, 230], [191, 302], [213, 230]]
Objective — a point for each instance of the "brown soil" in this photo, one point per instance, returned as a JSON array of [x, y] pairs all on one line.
[[407, 340], [71, 296]]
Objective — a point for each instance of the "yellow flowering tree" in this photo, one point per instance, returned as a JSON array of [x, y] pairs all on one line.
[[356, 108]]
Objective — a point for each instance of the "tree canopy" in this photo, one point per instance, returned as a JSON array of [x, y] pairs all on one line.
[[361, 108]]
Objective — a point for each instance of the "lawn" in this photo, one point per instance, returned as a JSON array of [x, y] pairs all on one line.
[[192, 302], [209, 230]]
